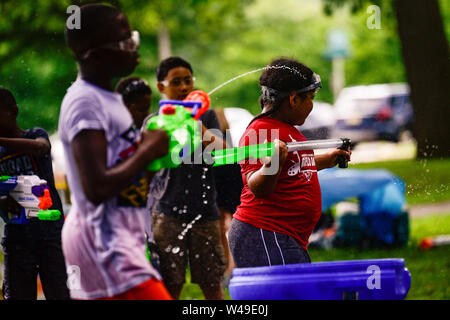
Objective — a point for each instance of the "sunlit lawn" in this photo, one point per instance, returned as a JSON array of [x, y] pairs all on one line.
[[427, 181]]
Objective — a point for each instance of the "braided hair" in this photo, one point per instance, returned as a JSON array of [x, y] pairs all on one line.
[[131, 88], [278, 80]]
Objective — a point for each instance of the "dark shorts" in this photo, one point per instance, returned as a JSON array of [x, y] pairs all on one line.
[[255, 247], [31, 250], [200, 246]]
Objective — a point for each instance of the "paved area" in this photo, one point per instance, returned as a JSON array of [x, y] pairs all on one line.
[[427, 209]]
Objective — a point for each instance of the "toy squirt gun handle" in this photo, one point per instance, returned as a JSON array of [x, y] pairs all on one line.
[[179, 120], [32, 194], [257, 151]]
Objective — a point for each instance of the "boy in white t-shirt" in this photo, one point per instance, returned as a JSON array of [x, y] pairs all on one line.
[[104, 234]]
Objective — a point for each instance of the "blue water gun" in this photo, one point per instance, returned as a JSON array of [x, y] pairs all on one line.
[[33, 194]]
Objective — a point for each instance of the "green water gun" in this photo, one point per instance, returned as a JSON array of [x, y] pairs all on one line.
[[178, 119], [184, 132], [258, 151]]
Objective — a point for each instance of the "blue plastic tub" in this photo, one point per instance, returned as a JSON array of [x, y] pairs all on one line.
[[377, 279]]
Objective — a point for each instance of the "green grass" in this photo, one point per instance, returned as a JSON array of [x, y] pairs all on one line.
[[430, 276], [427, 181]]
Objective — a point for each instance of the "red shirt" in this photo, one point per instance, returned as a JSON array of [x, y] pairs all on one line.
[[294, 207]]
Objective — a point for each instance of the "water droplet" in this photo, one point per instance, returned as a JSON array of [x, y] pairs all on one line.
[[186, 191], [205, 201], [175, 250], [208, 187], [197, 256], [175, 208], [180, 237]]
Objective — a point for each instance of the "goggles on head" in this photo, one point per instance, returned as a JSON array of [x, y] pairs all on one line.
[[315, 85], [130, 44]]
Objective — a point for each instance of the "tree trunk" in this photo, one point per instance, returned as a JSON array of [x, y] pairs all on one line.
[[426, 57], [164, 46]]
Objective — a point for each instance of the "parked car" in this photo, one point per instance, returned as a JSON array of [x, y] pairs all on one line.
[[320, 122], [373, 112], [238, 120]]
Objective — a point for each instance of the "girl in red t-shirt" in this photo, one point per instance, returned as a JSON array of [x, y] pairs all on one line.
[[281, 200]]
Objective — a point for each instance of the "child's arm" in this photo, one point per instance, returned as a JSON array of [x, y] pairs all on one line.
[[263, 181], [209, 137], [101, 183], [329, 160], [36, 147]]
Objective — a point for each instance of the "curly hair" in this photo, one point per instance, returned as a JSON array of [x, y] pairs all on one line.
[[278, 80], [132, 87]]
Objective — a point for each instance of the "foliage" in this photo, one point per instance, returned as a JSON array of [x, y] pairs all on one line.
[[222, 40]]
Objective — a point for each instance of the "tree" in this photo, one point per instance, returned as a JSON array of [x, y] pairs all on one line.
[[425, 54], [37, 65]]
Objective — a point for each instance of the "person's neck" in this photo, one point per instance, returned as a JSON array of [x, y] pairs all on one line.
[[92, 76], [279, 115], [16, 132]]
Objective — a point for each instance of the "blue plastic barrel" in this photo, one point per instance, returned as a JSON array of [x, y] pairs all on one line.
[[377, 279]]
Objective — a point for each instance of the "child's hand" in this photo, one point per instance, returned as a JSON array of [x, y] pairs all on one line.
[[329, 160], [156, 141], [9, 205], [333, 156], [280, 154]]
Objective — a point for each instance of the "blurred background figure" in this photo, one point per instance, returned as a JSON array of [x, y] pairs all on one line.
[[137, 97], [229, 186]]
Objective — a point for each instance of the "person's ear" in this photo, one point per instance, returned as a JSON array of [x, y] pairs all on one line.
[[293, 98], [161, 87]]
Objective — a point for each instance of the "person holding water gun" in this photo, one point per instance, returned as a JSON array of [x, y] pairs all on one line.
[[185, 217], [31, 247], [281, 198], [104, 233]]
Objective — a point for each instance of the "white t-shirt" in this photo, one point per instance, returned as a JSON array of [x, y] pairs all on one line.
[[104, 245]]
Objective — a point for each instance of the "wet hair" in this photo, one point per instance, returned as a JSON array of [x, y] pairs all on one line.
[[95, 22], [7, 100], [278, 80], [170, 63], [132, 87]]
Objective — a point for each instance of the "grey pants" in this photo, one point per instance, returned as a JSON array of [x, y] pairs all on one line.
[[255, 247]]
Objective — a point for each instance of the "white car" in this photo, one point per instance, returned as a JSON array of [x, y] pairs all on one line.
[[373, 112], [320, 122]]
